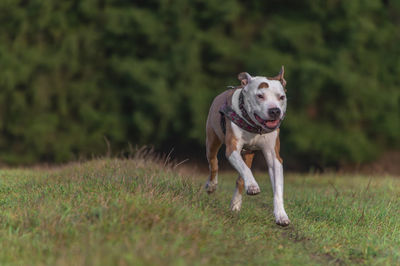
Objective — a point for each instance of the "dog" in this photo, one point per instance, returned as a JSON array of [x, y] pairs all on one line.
[[246, 119]]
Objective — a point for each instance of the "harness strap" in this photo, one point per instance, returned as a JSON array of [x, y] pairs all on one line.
[[223, 122], [228, 112]]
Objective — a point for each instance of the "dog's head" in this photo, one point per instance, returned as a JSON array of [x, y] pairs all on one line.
[[265, 99]]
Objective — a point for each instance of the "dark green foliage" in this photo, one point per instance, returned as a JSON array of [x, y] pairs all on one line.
[[74, 72]]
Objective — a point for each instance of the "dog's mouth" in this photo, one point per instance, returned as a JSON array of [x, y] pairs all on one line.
[[270, 124]]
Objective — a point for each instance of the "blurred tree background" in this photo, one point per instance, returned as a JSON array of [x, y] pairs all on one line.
[[145, 72]]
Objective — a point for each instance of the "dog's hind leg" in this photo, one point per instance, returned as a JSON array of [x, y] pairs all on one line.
[[213, 143], [236, 202]]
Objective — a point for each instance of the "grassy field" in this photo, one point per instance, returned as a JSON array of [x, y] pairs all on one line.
[[136, 212]]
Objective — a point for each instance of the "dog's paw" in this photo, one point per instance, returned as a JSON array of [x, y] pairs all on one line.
[[235, 208], [236, 205], [210, 187], [253, 189], [282, 220]]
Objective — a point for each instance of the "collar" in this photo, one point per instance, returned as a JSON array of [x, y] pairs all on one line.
[[246, 116], [243, 121]]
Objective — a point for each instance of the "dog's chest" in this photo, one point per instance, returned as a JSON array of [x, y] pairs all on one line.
[[250, 141]]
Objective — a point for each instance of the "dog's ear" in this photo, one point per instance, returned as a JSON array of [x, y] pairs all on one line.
[[280, 77], [244, 78]]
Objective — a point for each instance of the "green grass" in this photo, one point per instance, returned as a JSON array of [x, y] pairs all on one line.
[[136, 212]]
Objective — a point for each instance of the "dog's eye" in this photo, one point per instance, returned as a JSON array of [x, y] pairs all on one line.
[[282, 97], [260, 96]]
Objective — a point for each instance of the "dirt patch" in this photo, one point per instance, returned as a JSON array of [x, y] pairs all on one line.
[[293, 234], [296, 236], [327, 257]]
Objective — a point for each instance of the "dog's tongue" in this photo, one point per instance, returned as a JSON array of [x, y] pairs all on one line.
[[272, 123]]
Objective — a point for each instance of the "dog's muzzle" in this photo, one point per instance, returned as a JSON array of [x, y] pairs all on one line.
[[270, 123]]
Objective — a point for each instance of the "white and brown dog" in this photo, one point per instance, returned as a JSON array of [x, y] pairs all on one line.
[[246, 119]]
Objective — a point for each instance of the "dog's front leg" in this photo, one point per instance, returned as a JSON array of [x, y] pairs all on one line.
[[275, 170], [237, 162], [281, 217], [232, 153]]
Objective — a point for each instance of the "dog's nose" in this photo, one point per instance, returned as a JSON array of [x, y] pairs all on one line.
[[274, 113]]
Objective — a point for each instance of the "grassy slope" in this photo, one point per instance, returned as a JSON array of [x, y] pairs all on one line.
[[135, 212]]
